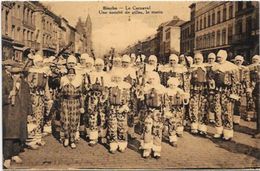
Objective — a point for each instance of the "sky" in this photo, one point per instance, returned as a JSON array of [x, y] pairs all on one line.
[[120, 30]]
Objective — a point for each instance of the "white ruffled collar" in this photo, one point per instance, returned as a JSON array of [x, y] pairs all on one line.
[[76, 82]]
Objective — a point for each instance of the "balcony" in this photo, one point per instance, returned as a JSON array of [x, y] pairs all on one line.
[[241, 38], [18, 43], [245, 11], [28, 25]]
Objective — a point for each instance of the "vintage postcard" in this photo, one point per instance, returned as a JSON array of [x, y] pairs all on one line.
[[130, 85]]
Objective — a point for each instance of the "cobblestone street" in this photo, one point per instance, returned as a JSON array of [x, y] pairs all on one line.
[[192, 152]]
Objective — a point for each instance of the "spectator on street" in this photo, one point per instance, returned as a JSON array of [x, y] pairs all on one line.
[[16, 106]]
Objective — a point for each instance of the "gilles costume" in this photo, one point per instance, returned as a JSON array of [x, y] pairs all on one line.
[[84, 68], [38, 81], [174, 102], [96, 83], [210, 87], [119, 97], [242, 86], [226, 79], [175, 70], [130, 77], [153, 96], [254, 102], [198, 100]]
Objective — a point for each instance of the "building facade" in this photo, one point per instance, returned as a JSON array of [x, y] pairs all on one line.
[[31, 25], [233, 26], [188, 33], [162, 44], [214, 25], [246, 32], [169, 38], [7, 40]]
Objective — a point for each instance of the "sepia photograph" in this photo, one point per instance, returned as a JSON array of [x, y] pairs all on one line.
[[130, 85]]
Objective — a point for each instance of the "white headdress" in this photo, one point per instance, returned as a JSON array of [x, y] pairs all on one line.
[[84, 56], [222, 53], [99, 61], [239, 58], [212, 56], [126, 58], [71, 59], [174, 57], [152, 58], [37, 58]]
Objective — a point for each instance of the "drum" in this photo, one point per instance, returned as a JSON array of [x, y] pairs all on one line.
[[118, 96], [176, 100], [153, 99], [223, 78], [37, 80], [199, 76]]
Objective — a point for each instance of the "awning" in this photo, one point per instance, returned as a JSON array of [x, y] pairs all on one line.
[[50, 50], [213, 48], [19, 48]]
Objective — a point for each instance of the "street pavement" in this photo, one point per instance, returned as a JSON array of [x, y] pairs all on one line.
[[192, 152]]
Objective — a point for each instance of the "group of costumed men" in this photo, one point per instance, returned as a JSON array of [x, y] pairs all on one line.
[[84, 98]]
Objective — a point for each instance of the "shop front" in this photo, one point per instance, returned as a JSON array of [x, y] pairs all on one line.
[[7, 48]]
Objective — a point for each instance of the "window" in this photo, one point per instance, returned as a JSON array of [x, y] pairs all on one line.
[[28, 36], [213, 39], [248, 4], [18, 11], [218, 17], [218, 38], [197, 26], [24, 14], [205, 24], [43, 22], [13, 32], [6, 21], [239, 5], [224, 37], [209, 40], [24, 38], [197, 43], [203, 41], [213, 18], [32, 38], [200, 24], [239, 26], [168, 34], [28, 15], [230, 11], [248, 25], [224, 14], [32, 18], [209, 20], [230, 33], [18, 33]]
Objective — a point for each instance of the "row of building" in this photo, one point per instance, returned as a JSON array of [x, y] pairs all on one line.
[[30, 25], [229, 25]]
